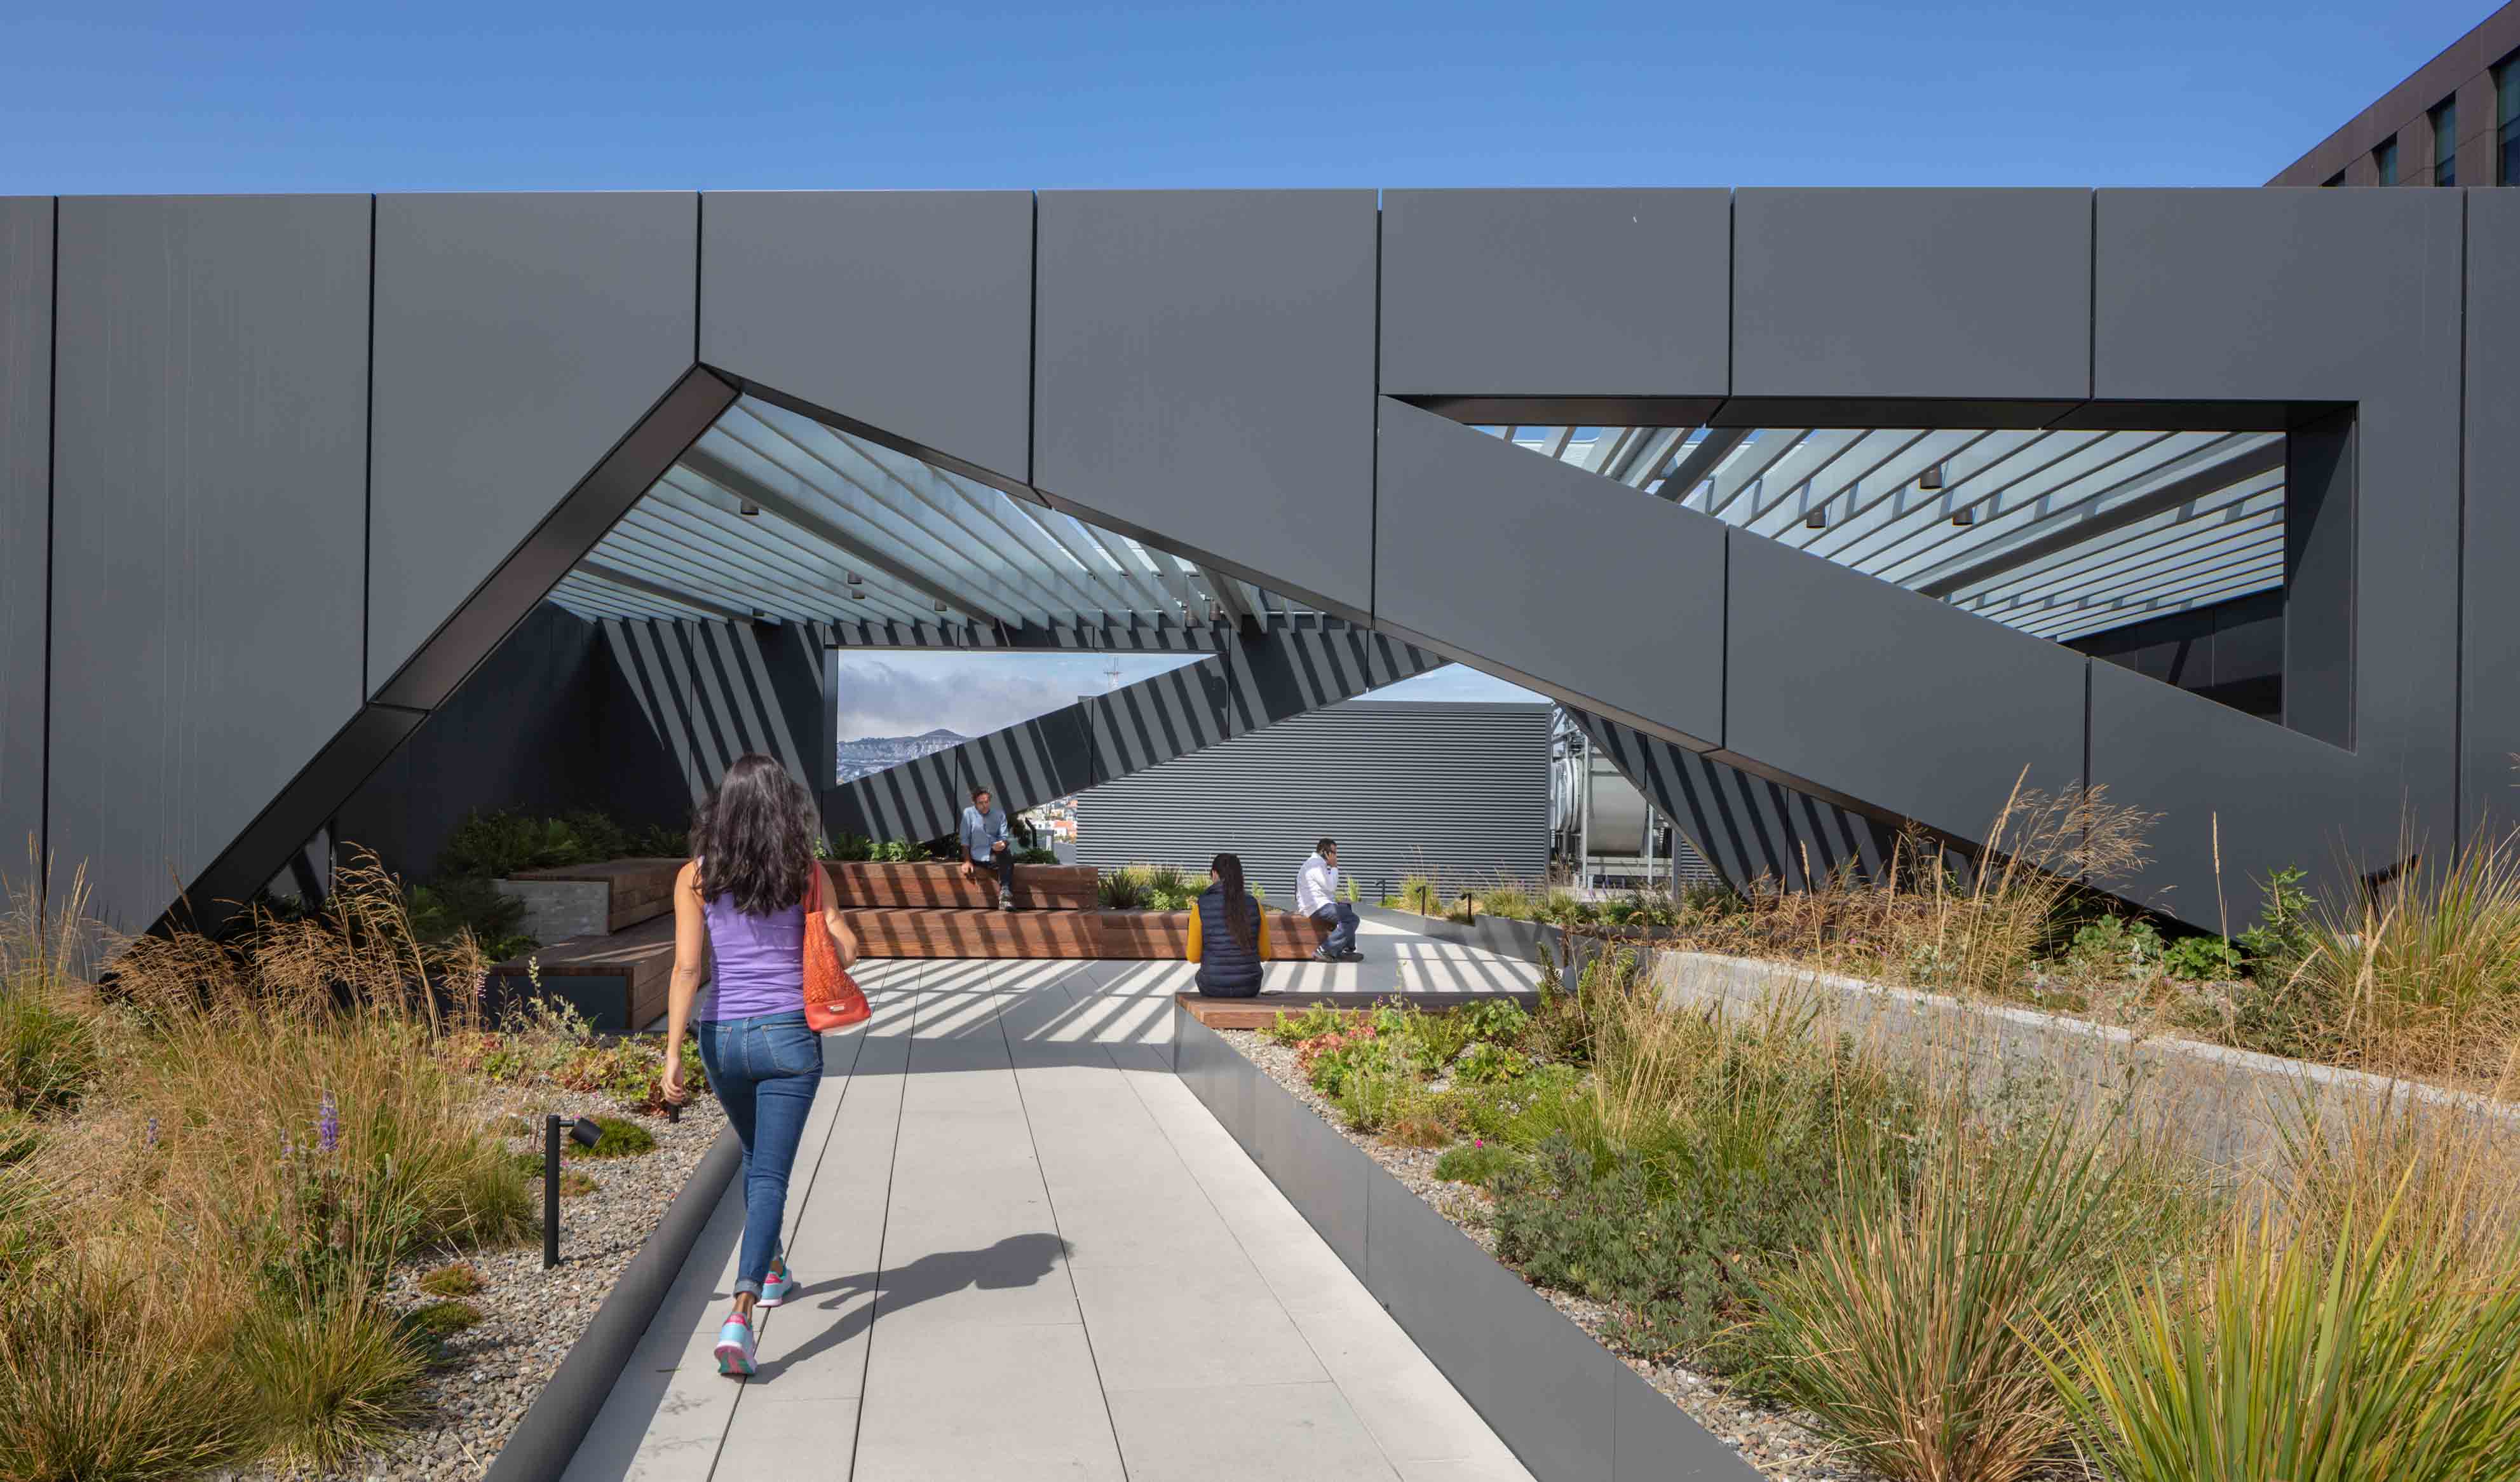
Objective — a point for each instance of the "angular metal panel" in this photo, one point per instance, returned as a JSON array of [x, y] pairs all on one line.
[[1204, 378], [2238, 797], [1476, 540], [26, 521], [518, 339], [209, 524], [1912, 293], [1852, 686], [2489, 668], [2324, 296], [1541, 1382], [1610, 293], [1319, 1171], [910, 311]]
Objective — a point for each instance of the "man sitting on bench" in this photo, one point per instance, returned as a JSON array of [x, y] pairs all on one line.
[[1316, 895], [985, 847]]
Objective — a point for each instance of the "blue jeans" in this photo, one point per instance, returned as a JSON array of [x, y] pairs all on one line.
[[1340, 918], [764, 1071]]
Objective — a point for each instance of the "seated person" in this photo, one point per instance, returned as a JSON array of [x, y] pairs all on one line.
[[985, 846], [1316, 895], [1228, 933]]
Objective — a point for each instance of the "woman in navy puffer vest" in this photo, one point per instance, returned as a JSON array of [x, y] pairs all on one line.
[[1228, 933]]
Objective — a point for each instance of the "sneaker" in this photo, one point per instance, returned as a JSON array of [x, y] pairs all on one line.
[[1323, 955], [1006, 900], [1351, 955], [734, 1348], [779, 1285]]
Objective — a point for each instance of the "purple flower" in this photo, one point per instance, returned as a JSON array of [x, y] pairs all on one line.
[[328, 1125], [153, 1132]]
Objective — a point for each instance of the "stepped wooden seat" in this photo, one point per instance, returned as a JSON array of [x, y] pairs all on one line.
[[942, 885], [637, 889], [1164, 935], [617, 980], [921, 932]]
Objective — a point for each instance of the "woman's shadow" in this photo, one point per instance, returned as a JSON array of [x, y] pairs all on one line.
[[1016, 1261]]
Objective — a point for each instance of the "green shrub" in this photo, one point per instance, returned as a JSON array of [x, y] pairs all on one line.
[[1148, 888], [2115, 947], [1477, 1162], [1417, 893], [1377, 1096], [630, 1072], [455, 904], [1919, 1326], [1498, 1020], [50, 1052], [1487, 1064], [1036, 856], [2375, 1362], [334, 1371], [499, 845], [1330, 1060], [620, 1140], [2205, 959], [1294, 1028], [1523, 1111], [853, 848], [443, 1320], [456, 1280]]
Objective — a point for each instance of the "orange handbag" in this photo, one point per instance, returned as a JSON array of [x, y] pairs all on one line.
[[833, 998]]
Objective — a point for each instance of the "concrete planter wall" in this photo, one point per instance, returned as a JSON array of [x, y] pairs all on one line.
[[1568, 1408], [2232, 1109]]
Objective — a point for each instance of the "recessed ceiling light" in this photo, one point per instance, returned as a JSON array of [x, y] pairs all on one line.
[[748, 508], [1931, 478], [1816, 520]]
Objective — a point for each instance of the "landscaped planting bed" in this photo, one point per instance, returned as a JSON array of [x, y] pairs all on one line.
[[1853, 1260], [269, 1205]]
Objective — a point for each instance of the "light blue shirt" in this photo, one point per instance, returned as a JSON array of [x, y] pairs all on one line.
[[981, 829]]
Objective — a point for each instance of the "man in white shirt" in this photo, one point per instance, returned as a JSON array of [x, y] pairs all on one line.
[[1316, 895]]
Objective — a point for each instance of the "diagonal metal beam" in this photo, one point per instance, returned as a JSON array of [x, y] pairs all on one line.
[[1700, 462], [2209, 479], [1229, 592], [719, 471]]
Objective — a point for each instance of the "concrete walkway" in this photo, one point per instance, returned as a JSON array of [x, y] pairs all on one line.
[[1027, 1252]]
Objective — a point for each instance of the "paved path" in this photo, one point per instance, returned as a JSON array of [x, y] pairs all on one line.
[[1028, 1252]]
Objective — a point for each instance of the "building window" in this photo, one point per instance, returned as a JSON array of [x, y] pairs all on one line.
[[2385, 160], [2446, 142], [2506, 88]]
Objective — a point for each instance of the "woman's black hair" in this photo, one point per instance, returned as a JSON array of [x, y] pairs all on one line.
[[1238, 915], [755, 838]]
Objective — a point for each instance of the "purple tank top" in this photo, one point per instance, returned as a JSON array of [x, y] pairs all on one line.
[[759, 961]]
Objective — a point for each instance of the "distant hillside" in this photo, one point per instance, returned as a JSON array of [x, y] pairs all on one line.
[[873, 753]]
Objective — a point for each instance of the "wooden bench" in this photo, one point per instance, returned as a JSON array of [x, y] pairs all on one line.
[[994, 933], [938, 886], [591, 899], [618, 981], [1164, 935]]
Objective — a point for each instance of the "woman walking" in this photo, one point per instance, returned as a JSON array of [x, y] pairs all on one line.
[[741, 902], [1228, 933]]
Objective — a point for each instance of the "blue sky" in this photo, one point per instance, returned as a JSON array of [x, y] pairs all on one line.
[[246, 96]]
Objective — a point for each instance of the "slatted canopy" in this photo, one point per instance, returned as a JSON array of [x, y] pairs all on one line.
[[2059, 533], [774, 514]]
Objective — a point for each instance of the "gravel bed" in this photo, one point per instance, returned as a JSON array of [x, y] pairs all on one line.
[[531, 1318], [1777, 1443]]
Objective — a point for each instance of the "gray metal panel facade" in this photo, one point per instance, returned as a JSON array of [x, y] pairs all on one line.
[[208, 522], [1876, 694], [910, 311], [1407, 787], [1475, 544], [1203, 367], [25, 521], [2489, 668], [517, 337], [1608, 292], [1912, 293], [2326, 296]]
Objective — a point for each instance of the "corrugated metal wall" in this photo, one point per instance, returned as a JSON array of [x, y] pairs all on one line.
[[1456, 790]]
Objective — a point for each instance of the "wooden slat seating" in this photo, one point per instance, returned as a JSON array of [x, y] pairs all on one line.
[[642, 889], [911, 932], [938, 885], [1164, 935], [618, 981]]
